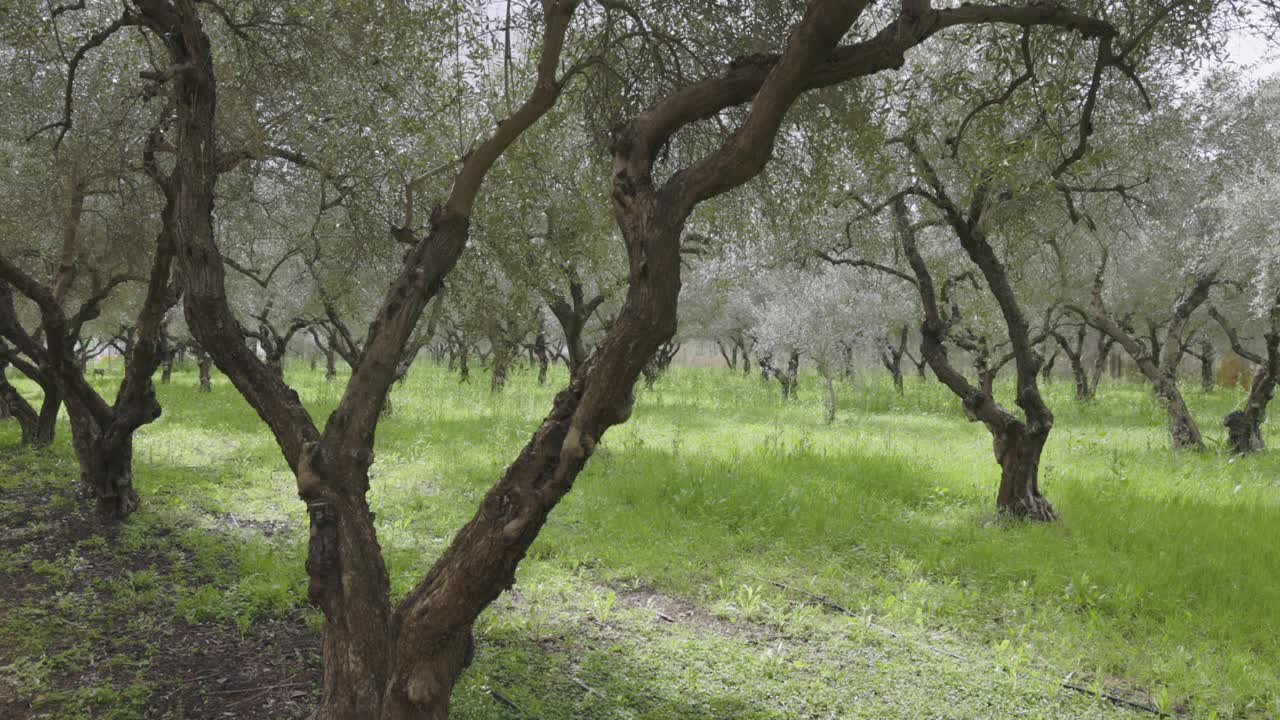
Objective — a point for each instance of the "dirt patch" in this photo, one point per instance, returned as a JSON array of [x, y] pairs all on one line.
[[62, 575], [670, 609], [266, 527], [209, 671], [12, 707]]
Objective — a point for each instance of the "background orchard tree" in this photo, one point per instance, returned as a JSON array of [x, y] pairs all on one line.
[[1251, 247], [1160, 251], [73, 248]]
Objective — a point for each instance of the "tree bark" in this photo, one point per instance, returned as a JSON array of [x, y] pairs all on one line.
[[1183, 431], [1207, 358], [402, 664], [106, 462], [47, 422], [1018, 452], [1244, 426], [891, 357], [1017, 443], [205, 364], [573, 314], [502, 357], [38, 427], [1102, 352], [540, 354], [13, 405]]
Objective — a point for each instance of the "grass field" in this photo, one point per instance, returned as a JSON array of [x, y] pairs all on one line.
[[654, 591]]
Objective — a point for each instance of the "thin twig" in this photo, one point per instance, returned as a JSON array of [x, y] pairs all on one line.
[[505, 701], [1115, 699], [252, 689], [584, 686]]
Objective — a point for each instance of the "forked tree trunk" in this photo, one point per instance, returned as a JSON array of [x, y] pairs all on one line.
[[1018, 452], [1159, 368], [398, 665], [1017, 443], [729, 355], [890, 356], [106, 464]]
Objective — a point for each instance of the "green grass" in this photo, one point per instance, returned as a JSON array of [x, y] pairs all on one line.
[[1161, 582]]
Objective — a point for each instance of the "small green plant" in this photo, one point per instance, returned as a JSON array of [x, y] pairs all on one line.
[[1162, 699], [602, 605]]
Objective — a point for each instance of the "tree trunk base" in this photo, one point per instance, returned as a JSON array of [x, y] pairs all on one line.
[[1018, 453], [1029, 507], [1244, 433]]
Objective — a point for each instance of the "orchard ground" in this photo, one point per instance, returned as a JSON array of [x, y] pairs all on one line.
[[681, 578]]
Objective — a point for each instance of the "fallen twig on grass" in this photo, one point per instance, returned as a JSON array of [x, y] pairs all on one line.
[[505, 701], [1113, 698], [583, 685], [253, 689]]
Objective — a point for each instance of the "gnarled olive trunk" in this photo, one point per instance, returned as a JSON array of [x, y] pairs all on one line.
[[793, 376], [38, 427], [1244, 426], [1184, 434], [1207, 358], [106, 463], [47, 421], [502, 358], [13, 405], [275, 363], [464, 370], [205, 364], [1084, 388], [1018, 452]]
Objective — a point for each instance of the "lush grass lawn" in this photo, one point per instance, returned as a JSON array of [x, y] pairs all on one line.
[[1160, 583]]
